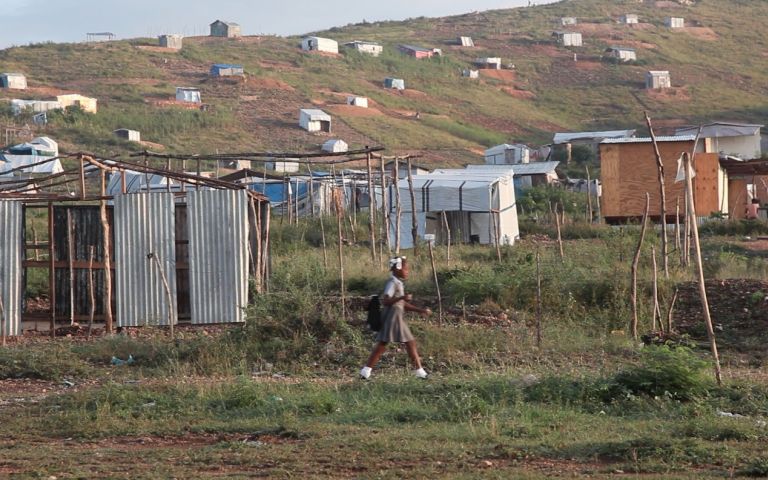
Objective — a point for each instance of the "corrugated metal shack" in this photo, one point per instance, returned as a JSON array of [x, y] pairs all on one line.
[[155, 257]]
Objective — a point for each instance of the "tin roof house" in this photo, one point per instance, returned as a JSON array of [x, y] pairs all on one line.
[[623, 54], [86, 104], [15, 81], [227, 70], [568, 39], [465, 42], [565, 21], [35, 106], [674, 22], [220, 28], [419, 52], [488, 63], [314, 120], [126, 134], [356, 101], [188, 94], [506, 154], [469, 73], [658, 79], [629, 19], [370, 48], [319, 44], [172, 41], [741, 140], [395, 83], [335, 146]]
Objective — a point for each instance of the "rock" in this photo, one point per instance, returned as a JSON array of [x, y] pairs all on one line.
[[486, 464]]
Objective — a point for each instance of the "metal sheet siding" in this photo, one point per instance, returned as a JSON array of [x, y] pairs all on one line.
[[11, 238], [144, 224], [218, 255]]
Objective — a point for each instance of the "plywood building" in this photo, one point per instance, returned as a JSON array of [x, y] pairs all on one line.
[[629, 170]]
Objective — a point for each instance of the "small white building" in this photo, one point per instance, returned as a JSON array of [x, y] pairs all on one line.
[[629, 19], [288, 165], [468, 73], [741, 140], [361, 102], [335, 146], [172, 41], [188, 94], [314, 120], [658, 79], [490, 63], [319, 44], [568, 39], [395, 83], [15, 81], [466, 42], [565, 21], [369, 48], [506, 154], [35, 106], [126, 134], [674, 22], [623, 54]]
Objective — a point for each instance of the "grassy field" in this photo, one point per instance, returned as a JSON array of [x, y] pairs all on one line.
[[279, 397], [716, 63]]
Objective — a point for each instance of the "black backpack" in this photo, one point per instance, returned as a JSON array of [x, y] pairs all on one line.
[[374, 313]]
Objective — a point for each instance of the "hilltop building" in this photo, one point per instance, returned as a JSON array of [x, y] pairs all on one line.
[[318, 44], [629, 19], [674, 22], [335, 146], [188, 94], [370, 48], [565, 21], [220, 28], [126, 134], [314, 120], [658, 79], [227, 70], [623, 54], [395, 83], [468, 73], [357, 101], [15, 81], [490, 63], [506, 154], [419, 52], [171, 41], [86, 104], [568, 39], [465, 42], [35, 106], [741, 140]]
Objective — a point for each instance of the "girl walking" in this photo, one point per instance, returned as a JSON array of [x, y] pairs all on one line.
[[394, 328]]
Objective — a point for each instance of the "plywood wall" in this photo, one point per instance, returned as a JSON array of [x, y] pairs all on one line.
[[629, 171]]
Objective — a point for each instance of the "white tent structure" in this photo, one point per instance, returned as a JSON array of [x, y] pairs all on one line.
[[335, 146], [188, 94], [314, 120], [319, 44], [480, 207]]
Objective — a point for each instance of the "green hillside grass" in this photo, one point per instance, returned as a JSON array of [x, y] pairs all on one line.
[[717, 69]]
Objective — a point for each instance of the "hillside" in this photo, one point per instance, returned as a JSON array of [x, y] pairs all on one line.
[[718, 66]]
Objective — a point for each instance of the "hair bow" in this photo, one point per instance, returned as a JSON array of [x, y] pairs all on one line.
[[396, 262]]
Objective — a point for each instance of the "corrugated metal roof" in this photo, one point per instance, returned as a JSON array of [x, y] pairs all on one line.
[[569, 137], [11, 256], [414, 48], [680, 138], [218, 255], [315, 114], [144, 225], [722, 129], [535, 168]]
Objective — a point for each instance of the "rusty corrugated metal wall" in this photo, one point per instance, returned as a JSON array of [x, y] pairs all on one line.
[[218, 255], [11, 254], [145, 225]]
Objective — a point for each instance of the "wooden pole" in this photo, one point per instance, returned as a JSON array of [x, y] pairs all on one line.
[[663, 193], [107, 266], [414, 224], [636, 262], [670, 312], [265, 249], [448, 232], [123, 182], [700, 267], [559, 234], [311, 191], [70, 264], [656, 308], [3, 320], [538, 298], [371, 208], [496, 240], [256, 256], [82, 177], [166, 287], [199, 166], [678, 243], [589, 197], [341, 258], [52, 269], [386, 217], [34, 239], [91, 293], [168, 180], [437, 283], [398, 206]]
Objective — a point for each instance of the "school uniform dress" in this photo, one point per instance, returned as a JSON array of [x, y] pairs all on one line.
[[394, 328]]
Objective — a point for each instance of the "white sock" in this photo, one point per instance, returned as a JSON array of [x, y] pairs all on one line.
[[420, 373]]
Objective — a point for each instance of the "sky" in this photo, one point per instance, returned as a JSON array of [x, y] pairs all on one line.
[[32, 21]]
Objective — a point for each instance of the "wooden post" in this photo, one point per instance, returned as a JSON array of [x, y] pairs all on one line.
[[256, 256], [671, 311], [166, 287], [123, 182], [589, 197], [70, 264], [678, 243], [91, 293], [538, 298], [371, 208], [82, 177], [107, 266], [398, 206], [34, 239], [448, 232], [52, 269], [700, 267], [635, 263], [341, 258], [437, 284], [414, 224], [663, 193], [656, 308], [496, 240], [168, 180], [265, 249], [311, 192], [199, 166], [386, 217], [184, 170], [559, 234], [568, 153]]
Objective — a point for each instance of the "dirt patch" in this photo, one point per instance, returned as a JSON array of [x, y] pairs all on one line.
[[150, 48], [702, 33], [271, 84], [152, 145], [638, 44], [158, 102], [675, 94], [587, 65], [410, 93], [666, 4], [351, 111], [279, 66], [503, 75], [523, 94], [46, 91]]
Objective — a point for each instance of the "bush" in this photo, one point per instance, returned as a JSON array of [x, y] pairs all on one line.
[[51, 364], [663, 371]]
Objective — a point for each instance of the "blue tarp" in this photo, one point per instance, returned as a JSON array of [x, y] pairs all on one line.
[[219, 68], [277, 192]]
